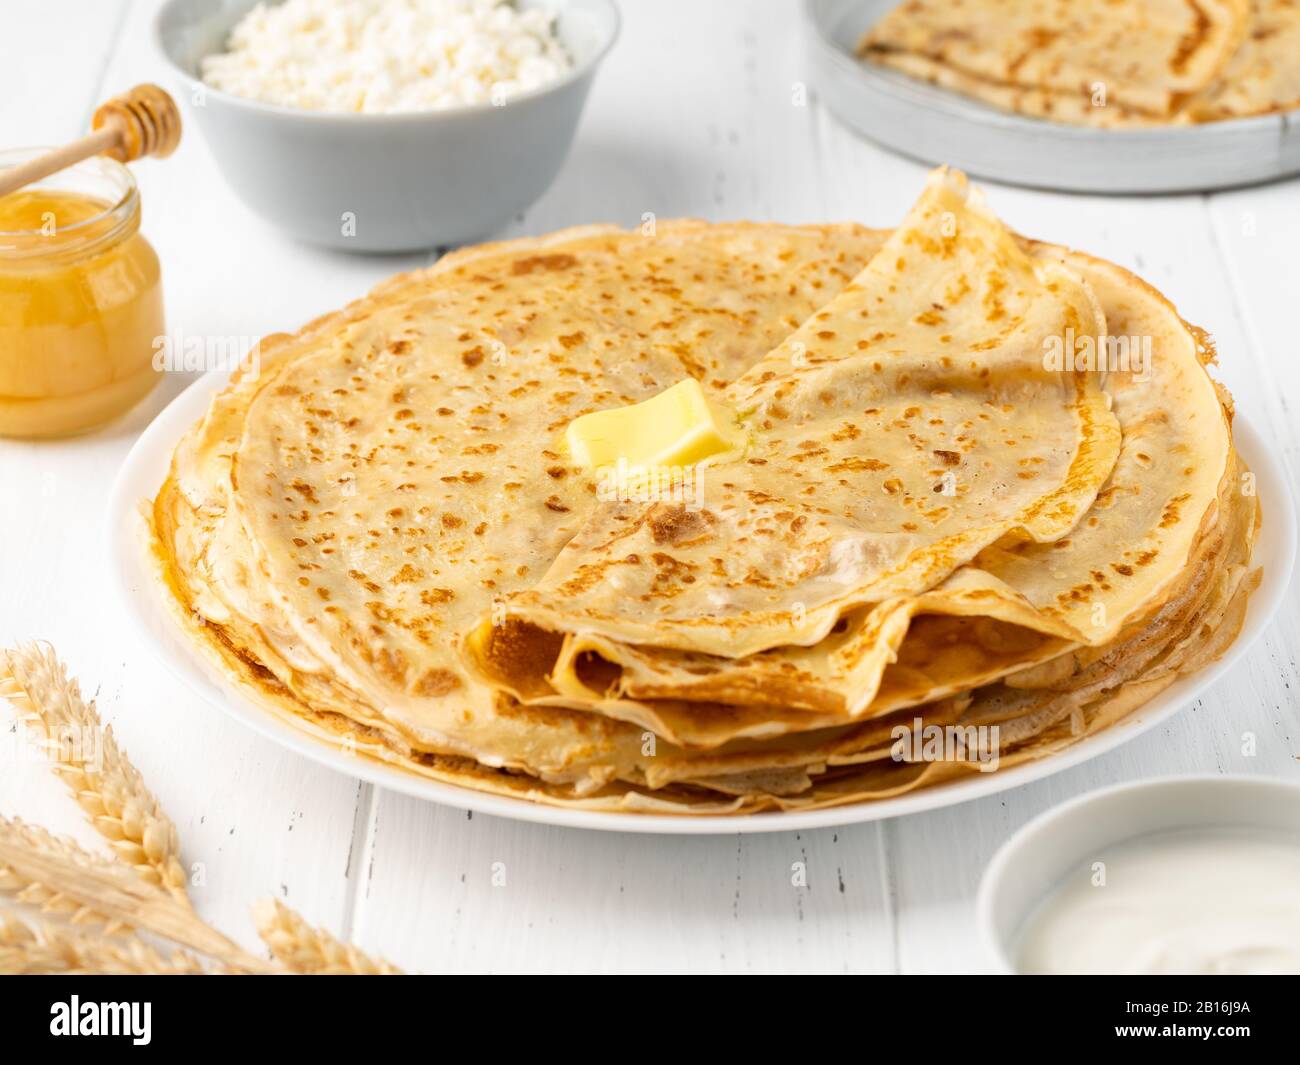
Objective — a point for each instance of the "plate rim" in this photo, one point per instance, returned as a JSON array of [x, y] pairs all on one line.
[[145, 467], [927, 103]]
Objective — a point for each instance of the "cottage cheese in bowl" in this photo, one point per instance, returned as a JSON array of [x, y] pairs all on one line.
[[387, 56]]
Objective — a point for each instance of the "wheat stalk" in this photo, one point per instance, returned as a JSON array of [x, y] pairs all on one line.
[[57, 876], [117, 894], [42, 896], [105, 784], [311, 951], [40, 947]]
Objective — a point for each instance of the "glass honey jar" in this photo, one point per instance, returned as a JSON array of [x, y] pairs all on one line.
[[81, 308]]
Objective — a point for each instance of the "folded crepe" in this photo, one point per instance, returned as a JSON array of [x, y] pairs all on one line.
[[906, 426], [379, 535], [1015, 603], [1098, 62], [1263, 75]]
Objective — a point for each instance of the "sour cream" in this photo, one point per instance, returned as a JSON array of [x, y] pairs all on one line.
[[1213, 900]]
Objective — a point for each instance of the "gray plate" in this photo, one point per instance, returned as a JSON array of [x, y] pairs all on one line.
[[938, 126]]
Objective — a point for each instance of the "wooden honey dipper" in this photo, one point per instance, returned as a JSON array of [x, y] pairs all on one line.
[[144, 121]]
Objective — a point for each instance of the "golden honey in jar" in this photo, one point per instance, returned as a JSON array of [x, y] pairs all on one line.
[[81, 306]]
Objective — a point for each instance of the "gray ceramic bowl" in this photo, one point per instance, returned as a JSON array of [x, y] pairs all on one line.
[[409, 181]]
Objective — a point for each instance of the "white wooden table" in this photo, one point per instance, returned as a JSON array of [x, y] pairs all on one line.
[[693, 114]]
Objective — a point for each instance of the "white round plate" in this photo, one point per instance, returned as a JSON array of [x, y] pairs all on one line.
[[142, 599], [938, 126]]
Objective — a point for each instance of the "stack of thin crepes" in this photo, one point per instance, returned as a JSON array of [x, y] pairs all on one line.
[[939, 521], [1101, 62]]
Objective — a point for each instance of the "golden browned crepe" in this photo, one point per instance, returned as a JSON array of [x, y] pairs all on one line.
[[1263, 75], [1101, 62], [935, 524]]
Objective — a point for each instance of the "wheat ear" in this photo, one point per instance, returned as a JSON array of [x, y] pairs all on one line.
[[105, 784], [42, 896], [311, 951], [42, 948], [117, 894]]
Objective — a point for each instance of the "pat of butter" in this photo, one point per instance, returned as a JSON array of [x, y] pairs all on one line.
[[678, 427]]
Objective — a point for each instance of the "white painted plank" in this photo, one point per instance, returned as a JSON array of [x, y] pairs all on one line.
[[257, 819], [451, 893], [54, 53], [691, 115], [1257, 232]]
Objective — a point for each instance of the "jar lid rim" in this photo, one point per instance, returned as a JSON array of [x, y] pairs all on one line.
[[124, 204]]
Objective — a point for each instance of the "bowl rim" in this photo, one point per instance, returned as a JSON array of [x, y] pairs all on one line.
[[996, 870], [574, 74]]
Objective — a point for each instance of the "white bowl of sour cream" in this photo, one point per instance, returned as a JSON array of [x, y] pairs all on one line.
[[1176, 875]]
